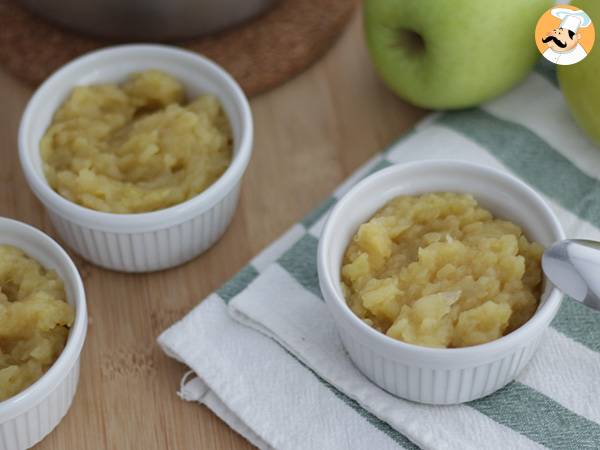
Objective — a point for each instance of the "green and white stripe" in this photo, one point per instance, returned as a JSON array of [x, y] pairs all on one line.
[[555, 402]]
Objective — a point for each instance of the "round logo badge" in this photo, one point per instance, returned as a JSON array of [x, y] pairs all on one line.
[[564, 35]]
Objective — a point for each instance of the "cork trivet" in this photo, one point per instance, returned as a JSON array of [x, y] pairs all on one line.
[[260, 54]]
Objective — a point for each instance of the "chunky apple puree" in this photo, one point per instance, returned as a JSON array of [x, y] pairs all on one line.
[[440, 271], [135, 147], [34, 320]]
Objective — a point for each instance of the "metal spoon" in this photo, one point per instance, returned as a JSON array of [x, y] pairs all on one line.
[[573, 266]]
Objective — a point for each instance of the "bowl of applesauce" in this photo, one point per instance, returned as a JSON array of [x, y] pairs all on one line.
[[137, 152], [43, 324], [431, 271]]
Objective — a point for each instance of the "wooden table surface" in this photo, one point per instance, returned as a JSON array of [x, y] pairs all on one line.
[[314, 130]]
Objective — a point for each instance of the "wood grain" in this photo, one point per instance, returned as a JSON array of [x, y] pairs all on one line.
[[315, 129]]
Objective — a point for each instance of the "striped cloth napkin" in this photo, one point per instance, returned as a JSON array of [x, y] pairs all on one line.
[[265, 357]]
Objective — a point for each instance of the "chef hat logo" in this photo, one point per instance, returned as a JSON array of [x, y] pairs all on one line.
[[565, 35], [570, 19]]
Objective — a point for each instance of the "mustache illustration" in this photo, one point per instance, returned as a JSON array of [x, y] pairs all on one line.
[[556, 41]]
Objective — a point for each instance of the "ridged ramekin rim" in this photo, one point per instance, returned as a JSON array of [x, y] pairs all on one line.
[[377, 340], [34, 394], [149, 221]]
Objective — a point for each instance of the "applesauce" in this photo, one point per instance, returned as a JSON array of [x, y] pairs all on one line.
[[34, 320], [135, 147], [440, 271]]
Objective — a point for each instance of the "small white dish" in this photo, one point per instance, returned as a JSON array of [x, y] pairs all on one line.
[[29, 416], [432, 375], [146, 241]]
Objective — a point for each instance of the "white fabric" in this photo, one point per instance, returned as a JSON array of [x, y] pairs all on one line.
[[288, 409], [270, 363]]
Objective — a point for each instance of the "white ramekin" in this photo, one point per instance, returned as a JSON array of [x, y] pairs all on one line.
[[422, 374], [30, 415], [147, 241]]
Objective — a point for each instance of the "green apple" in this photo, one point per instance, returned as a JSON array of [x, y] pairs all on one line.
[[580, 82], [445, 54]]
